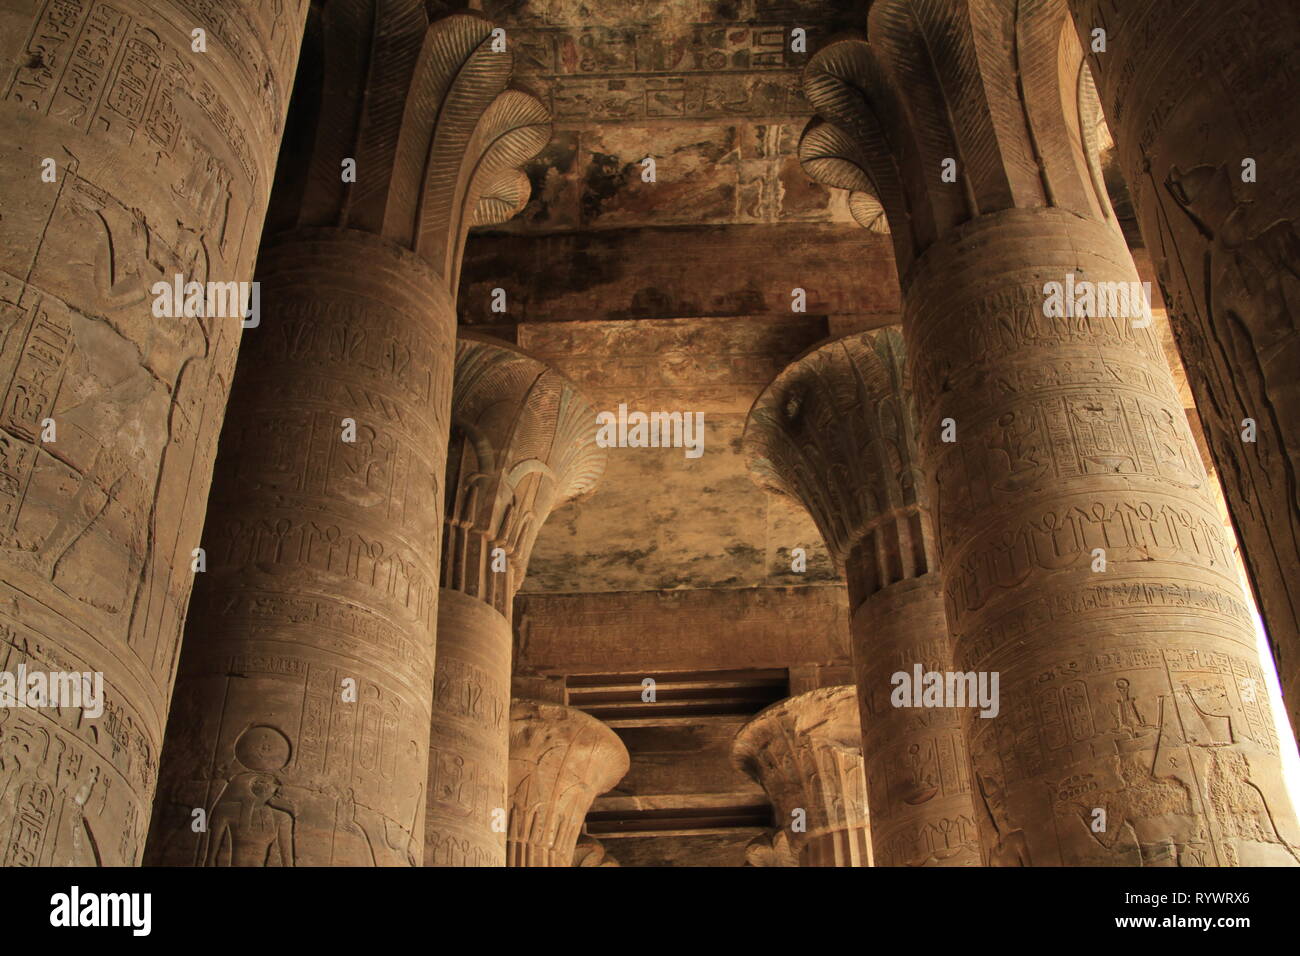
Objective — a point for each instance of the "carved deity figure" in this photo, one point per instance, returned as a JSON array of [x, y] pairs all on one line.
[[245, 821]]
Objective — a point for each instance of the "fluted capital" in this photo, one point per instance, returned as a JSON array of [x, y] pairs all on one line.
[[806, 751], [425, 111], [591, 852], [771, 848], [560, 760], [835, 430], [523, 441], [996, 93]]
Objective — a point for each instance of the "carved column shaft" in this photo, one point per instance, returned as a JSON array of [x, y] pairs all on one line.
[[1188, 139], [1087, 450], [522, 442], [1053, 441], [806, 751], [469, 741], [319, 571], [918, 768], [129, 157], [308, 673], [560, 760]]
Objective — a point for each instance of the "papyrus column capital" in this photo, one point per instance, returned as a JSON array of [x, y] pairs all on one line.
[[806, 751], [523, 442], [560, 760]]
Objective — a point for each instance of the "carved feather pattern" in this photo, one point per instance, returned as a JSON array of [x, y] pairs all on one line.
[[994, 110], [1092, 131], [449, 45], [529, 437], [903, 47], [513, 129], [398, 34], [505, 194], [852, 94], [337, 123], [1049, 55], [425, 111], [470, 85], [867, 212], [830, 157], [992, 84]]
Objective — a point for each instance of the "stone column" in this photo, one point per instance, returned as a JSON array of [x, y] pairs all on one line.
[[522, 443], [305, 687], [836, 431], [560, 760], [1191, 92], [806, 751], [139, 141], [1082, 558]]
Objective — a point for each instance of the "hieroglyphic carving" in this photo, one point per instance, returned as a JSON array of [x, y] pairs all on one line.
[[163, 163], [918, 775], [73, 787], [806, 751], [560, 761], [1224, 250], [1069, 437], [469, 735], [638, 630], [663, 61], [320, 600]]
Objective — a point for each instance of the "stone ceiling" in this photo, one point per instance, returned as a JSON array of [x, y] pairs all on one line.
[[709, 88], [674, 294]]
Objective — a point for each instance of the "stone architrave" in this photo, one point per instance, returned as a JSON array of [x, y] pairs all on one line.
[[139, 144], [806, 752], [522, 443], [560, 760], [836, 431], [305, 688], [1082, 556], [1195, 96]]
